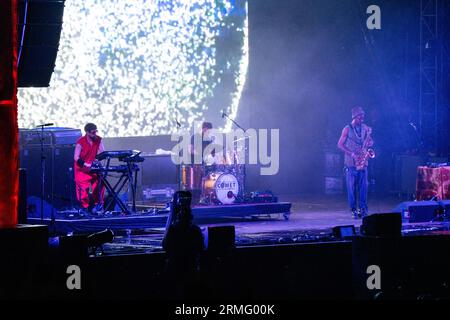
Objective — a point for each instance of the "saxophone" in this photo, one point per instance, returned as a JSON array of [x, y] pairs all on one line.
[[362, 157]]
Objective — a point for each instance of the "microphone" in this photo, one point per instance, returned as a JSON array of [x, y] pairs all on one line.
[[223, 114], [45, 125]]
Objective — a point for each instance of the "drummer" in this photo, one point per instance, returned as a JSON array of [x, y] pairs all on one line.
[[197, 150], [208, 156]]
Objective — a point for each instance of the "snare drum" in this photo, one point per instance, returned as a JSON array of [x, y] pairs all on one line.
[[219, 187]]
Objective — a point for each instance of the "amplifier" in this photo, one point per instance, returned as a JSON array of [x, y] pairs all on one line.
[[52, 136], [59, 185], [32, 137]]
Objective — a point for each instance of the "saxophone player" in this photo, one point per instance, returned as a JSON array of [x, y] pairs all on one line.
[[355, 142]]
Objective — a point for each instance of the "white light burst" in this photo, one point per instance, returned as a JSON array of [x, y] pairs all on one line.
[[135, 68]]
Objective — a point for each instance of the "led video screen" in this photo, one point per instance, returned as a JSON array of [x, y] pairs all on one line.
[[144, 67]]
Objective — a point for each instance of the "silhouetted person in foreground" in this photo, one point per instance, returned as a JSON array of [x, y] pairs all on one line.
[[183, 243]]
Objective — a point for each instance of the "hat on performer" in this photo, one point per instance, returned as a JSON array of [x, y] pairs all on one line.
[[357, 111]]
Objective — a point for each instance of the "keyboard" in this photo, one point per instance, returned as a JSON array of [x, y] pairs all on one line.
[[119, 154], [120, 168]]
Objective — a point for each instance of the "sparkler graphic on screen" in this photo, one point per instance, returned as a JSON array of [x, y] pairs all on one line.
[[136, 67]]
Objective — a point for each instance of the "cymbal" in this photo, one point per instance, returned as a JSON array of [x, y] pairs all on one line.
[[240, 139]]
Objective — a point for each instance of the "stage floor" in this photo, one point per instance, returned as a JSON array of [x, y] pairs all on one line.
[[311, 220]]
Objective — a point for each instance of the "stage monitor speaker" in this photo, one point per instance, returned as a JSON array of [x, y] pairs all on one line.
[[418, 211], [220, 239], [382, 225], [40, 24]]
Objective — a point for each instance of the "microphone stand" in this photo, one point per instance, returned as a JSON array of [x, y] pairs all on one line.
[[180, 169], [419, 142], [43, 158], [42, 171], [224, 115]]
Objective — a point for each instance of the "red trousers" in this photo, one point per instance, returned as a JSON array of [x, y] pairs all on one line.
[[84, 182]]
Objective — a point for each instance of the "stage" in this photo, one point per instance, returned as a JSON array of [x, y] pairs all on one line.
[[297, 219], [156, 218], [276, 110], [273, 258]]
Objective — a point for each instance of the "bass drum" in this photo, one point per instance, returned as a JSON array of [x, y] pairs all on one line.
[[220, 188]]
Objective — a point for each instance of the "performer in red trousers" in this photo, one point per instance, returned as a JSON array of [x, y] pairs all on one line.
[[86, 149]]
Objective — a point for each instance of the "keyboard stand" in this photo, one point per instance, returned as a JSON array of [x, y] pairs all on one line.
[[128, 176]]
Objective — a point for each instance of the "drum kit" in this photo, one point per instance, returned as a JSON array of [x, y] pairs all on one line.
[[220, 180]]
